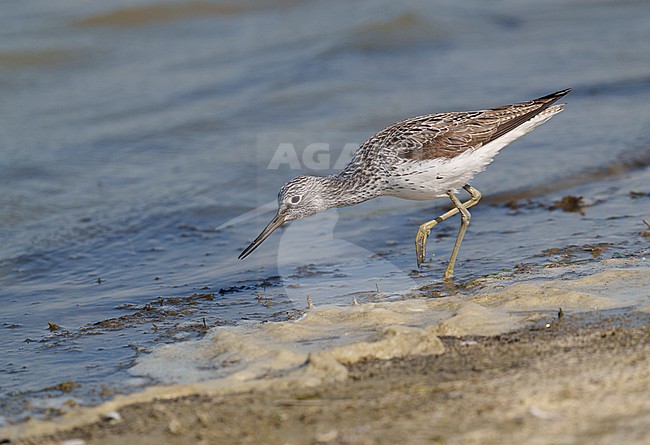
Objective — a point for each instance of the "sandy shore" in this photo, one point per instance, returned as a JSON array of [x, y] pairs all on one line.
[[577, 381], [571, 377]]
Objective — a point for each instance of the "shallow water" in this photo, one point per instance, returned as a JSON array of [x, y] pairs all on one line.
[[132, 135]]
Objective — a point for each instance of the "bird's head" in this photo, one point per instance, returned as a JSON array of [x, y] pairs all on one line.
[[300, 197]]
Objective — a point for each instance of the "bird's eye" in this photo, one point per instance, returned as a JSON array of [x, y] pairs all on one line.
[[295, 199]]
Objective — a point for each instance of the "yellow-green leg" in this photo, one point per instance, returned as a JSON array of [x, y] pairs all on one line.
[[425, 229], [465, 217]]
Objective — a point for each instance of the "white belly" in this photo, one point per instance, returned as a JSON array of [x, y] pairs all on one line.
[[433, 178], [427, 180]]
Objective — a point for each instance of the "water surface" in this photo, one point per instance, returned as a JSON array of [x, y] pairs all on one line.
[[133, 134]]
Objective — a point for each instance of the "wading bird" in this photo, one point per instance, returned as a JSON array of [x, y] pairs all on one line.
[[421, 158]]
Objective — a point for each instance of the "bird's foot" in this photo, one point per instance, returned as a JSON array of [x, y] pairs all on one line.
[[421, 244], [448, 277]]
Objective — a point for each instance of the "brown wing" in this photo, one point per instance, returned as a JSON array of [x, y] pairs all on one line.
[[447, 135]]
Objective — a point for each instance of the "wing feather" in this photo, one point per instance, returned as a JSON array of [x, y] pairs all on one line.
[[447, 135]]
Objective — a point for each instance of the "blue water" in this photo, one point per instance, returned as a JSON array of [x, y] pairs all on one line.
[[131, 138]]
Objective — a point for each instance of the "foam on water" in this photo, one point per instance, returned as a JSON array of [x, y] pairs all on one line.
[[315, 348], [254, 351]]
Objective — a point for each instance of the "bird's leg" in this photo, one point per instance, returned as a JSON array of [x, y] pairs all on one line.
[[423, 234], [423, 231], [465, 217]]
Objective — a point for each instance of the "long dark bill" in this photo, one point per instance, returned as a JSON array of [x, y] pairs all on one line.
[[276, 222]]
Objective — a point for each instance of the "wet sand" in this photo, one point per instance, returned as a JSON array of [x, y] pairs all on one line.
[[583, 379], [569, 376]]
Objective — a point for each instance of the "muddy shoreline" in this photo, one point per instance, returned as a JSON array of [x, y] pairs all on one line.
[[570, 378]]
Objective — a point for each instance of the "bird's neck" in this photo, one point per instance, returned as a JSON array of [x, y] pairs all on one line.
[[346, 190]]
